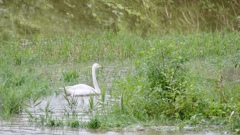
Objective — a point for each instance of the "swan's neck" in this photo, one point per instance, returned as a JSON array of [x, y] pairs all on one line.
[[95, 83]]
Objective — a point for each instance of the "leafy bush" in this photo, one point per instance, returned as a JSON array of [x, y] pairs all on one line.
[[159, 86]]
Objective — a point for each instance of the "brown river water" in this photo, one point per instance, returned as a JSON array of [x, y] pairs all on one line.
[[20, 124]]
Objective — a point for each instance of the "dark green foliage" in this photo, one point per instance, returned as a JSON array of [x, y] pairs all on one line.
[[94, 123], [159, 85], [55, 123]]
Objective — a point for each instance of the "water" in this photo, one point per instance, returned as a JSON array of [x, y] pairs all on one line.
[[20, 123]]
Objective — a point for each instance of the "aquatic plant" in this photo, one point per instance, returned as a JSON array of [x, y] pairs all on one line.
[[71, 108], [74, 123], [94, 123], [70, 76]]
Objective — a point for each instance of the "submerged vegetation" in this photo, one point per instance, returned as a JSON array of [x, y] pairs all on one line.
[[164, 63]]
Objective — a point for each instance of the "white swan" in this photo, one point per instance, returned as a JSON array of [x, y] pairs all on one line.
[[83, 89]]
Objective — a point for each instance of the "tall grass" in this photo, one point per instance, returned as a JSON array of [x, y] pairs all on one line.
[[191, 78], [182, 77], [17, 86], [104, 46]]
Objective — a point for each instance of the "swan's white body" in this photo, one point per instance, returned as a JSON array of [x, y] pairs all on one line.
[[83, 89]]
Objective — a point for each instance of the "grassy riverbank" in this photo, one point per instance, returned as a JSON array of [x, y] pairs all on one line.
[[191, 79]]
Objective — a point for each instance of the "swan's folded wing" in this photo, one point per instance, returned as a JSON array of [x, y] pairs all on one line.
[[80, 90], [79, 87]]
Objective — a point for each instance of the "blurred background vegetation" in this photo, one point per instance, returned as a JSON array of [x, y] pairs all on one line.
[[24, 18]]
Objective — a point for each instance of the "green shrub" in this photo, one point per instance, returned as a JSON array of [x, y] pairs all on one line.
[[94, 123], [158, 86]]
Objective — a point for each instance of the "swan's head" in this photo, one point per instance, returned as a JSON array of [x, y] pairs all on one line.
[[96, 65]]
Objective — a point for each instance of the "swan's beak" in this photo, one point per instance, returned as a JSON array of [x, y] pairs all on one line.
[[99, 66]]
